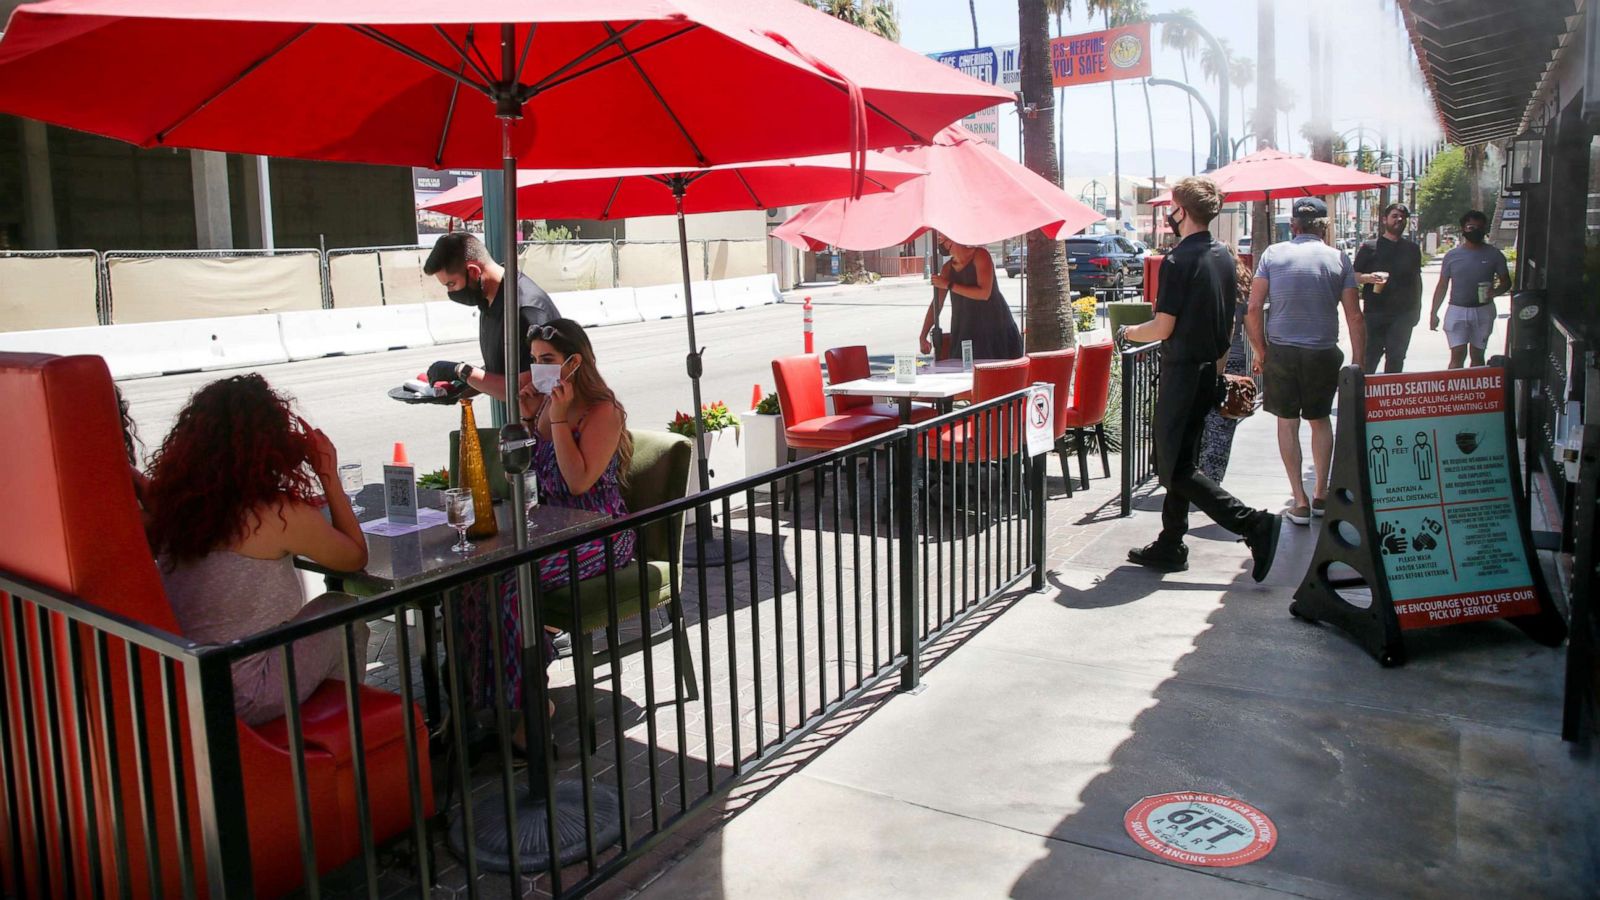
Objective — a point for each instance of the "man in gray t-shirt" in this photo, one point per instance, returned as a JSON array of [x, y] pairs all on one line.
[[1475, 273], [1297, 344]]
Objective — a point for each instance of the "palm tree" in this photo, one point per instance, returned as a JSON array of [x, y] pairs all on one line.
[[1050, 322], [874, 16], [1178, 37], [1285, 99], [1241, 74]]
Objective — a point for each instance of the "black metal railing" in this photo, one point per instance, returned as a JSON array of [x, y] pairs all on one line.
[[1141, 376], [127, 772]]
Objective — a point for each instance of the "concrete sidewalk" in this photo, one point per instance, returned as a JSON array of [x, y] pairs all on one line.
[[1009, 776]]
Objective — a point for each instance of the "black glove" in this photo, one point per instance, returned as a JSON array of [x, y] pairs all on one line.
[[443, 370]]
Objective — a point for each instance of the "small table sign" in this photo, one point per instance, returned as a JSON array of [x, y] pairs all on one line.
[[400, 494], [966, 356], [905, 368]]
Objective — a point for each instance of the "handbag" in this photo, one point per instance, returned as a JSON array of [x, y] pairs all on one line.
[[1239, 396]]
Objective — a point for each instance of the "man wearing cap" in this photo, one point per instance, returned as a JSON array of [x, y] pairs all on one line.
[[1297, 346], [471, 277], [1389, 270], [1475, 273]]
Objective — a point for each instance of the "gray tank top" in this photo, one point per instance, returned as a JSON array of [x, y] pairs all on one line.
[[225, 596]]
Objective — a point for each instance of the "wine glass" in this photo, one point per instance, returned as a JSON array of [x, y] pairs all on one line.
[[459, 512], [350, 480], [530, 496]]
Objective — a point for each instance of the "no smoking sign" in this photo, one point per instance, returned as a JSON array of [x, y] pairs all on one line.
[[1200, 829]]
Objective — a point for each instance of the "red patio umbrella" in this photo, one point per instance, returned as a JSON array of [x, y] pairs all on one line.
[[973, 194], [620, 193], [552, 83], [1274, 175]]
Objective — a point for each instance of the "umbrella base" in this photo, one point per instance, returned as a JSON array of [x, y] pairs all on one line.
[[492, 835], [713, 555]]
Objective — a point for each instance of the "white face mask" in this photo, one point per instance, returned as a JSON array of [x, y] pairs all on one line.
[[546, 376]]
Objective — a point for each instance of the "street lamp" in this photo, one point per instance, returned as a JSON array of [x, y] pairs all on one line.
[[1222, 74], [1216, 139], [1096, 192]]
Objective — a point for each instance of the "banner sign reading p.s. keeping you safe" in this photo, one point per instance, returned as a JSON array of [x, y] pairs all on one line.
[[1426, 523], [1101, 56], [1441, 492]]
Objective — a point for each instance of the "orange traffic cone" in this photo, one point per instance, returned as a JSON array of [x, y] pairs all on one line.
[[755, 396], [400, 454]]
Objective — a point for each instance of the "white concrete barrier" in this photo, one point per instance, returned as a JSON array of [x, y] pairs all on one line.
[[583, 307], [705, 297], [620, 306], [450, 322], [743, 293], [157, 348], [369, 329], [662, 301]]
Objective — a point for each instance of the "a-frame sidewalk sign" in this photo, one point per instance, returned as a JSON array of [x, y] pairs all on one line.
[[1425, 506]]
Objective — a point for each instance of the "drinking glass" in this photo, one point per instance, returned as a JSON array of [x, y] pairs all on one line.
[[350, 480], [530, 496], [459, 512]]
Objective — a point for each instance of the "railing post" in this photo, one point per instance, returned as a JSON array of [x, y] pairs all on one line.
[[1036, 466], [903, 461], [218, 775], [1130, 416]]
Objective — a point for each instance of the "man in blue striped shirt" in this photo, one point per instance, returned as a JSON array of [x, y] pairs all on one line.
[[1297, 346]]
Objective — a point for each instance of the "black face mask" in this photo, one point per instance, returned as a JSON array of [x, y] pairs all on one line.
[[1172, 223], [471, 295], [1473, 233]]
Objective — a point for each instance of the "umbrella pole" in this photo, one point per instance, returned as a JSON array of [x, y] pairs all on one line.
[[702, 551], [514, 833]]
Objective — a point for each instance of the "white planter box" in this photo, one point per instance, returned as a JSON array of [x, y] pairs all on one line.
[[764, 446], [724, 458]]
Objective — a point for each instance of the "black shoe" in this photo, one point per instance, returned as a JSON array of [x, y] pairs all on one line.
[[1161, 557], [1263, 543]]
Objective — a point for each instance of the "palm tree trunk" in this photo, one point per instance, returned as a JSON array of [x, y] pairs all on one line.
[[1184, 58], [1061, 121], [1049, 319]]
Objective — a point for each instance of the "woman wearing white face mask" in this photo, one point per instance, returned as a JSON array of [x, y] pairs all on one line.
[[580, 458]]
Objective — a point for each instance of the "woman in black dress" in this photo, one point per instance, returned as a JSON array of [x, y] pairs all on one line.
[[978, 311]]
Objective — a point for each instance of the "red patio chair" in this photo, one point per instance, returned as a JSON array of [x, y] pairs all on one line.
[[851, 364], [989, 435], [1055, 367], [1091, 391], [75, 528], [806, 423]]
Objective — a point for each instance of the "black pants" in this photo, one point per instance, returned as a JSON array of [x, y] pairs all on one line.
[[1187, 392], [1389, 336]]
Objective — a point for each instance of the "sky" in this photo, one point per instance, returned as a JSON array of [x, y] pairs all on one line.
[[1375, 78]]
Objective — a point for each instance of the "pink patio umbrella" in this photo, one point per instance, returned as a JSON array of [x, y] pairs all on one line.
[[1274, 175], [973, 194]]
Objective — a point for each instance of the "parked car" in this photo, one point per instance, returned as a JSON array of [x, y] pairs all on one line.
[[1015, 260], [1243, 246], [1104, 261]]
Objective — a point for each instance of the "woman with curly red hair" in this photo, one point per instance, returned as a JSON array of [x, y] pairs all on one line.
[[236, 493]]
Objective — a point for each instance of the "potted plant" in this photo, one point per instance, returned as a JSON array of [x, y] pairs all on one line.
[[764, 446], [722, 443]]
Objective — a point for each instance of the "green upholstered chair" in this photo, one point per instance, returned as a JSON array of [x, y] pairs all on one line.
[[489, 440], [658, 473]]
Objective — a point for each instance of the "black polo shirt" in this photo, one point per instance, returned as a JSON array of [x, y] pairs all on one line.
[[1198, 286], [1402, 259], [537, 309]]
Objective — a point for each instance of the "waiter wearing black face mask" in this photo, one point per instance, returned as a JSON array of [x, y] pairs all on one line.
[[471, 277]]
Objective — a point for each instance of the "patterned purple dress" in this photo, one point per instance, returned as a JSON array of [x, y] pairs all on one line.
[[604, 496]]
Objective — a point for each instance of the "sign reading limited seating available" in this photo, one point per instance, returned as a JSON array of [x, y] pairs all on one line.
[[1201, 829], [1442, 496]]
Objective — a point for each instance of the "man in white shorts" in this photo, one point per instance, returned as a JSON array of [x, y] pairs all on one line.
[[1475, 273]]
